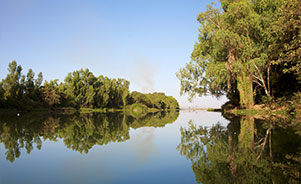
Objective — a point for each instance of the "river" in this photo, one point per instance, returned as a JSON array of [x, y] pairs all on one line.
[[176, 147]]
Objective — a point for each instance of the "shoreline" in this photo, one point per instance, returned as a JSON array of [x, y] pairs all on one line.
[[71, 110]]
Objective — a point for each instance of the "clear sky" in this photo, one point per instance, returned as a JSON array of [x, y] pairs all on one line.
[[143, 41]]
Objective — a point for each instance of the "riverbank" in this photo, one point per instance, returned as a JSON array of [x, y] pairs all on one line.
[[280, 108], [260, 111], [134, 109], [61, 110]]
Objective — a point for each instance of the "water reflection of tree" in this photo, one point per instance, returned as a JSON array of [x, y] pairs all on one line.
[[244, 152], [78, 132], [81, 133], [15, 136], [159, 119]]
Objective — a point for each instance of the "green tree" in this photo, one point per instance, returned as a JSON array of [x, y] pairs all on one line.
[[235, 52], [124, 90], [29, 84], [286, 49], [102, 88], [76, 85], [39, 80], [37, 87], [80, 89], [49, 93], [288, 44], [11, 85], [89, 97]]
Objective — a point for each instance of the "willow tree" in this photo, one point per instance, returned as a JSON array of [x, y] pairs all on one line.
[[77, 86], [231, 53]]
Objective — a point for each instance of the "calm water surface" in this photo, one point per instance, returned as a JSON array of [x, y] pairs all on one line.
[[180, 147]]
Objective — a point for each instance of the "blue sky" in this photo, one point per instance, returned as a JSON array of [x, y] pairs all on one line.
[[143, 41]]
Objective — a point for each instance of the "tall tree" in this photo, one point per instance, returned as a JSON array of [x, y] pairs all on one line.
[[234, 51], [11, 84], [29, 84], [50, 94]]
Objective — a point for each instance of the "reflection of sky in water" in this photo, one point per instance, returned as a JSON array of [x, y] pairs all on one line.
[[150, 156]]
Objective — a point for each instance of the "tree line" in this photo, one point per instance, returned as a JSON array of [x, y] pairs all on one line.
[[80, 89], [247, 49]]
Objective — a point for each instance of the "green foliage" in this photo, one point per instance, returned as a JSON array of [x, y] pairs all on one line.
[[250, 48], [12, 81], [137, 110], [83, 90], [80, 89], [20, 91], [287, 46], [49, 93], [154, 100]]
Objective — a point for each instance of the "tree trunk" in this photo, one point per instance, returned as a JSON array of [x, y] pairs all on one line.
[[229, 66], [245, 88]]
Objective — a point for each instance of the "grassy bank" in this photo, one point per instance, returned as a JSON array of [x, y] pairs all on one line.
[[89, 110], [135, 110], [264, 112]]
